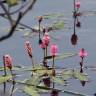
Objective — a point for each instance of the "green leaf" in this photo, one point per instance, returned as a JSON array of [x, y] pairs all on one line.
[[30, 91], [53, 15], [63, 56], [35, 80], [4, 78], [12, 2], [58, 80], [66, 74], [42, 72], [80, 76], [58, 25], [16, 68]]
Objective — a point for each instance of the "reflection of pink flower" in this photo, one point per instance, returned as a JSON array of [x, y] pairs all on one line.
[[8, 61], [46, 38], [28, 48], [82, 53], [77, 4], [54, 50]]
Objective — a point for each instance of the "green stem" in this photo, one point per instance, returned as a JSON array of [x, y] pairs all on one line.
[[46, 54], [12, 89], [32, 62], [53, 63], [39, 30], [4, 73]]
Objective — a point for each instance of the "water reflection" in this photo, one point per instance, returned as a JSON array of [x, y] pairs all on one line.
[[54, 92], [77, 23], [74, 39]]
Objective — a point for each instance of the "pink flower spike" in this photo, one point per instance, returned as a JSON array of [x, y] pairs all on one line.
[[8, 61], [46, 38], [77, 4], [28, 48], [42, 45], [54, 50], [83, 53]]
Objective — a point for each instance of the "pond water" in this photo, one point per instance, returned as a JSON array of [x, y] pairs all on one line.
[[86, 39]]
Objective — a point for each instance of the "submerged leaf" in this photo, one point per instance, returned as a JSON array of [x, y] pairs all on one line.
[[5, 78]]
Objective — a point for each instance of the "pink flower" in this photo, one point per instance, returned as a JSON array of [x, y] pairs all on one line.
[[28, 48], [8, 61], [42, 45], [54, 50], [46, 39], [82, 53], [77, 4]]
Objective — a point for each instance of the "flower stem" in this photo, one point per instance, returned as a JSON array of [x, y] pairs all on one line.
[[4, 73], [39, 30], [53, 63]]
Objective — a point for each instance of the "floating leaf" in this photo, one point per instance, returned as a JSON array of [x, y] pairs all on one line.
[[15, 68], [4, 78], [66, 74], [42, 72], [35, 80], [12, 2], [63, 56], [58, 80], [58, 25], [53, 15], [80, 76], [30, 91]]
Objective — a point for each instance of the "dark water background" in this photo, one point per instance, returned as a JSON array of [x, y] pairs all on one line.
[[86, 39]]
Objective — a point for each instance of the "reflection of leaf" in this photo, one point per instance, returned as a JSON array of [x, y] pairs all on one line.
[[57, 80], [66, 74], [12, 2], [63, 56], [30, 91], [80, 76], [58, 25], [4, 78]]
